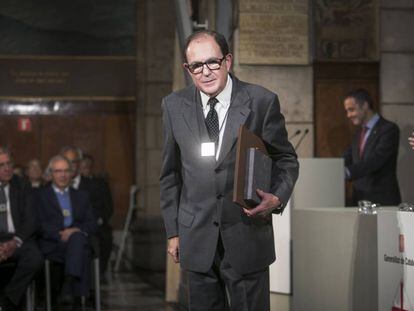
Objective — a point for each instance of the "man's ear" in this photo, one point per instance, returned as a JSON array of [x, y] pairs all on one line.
[[229, 61]]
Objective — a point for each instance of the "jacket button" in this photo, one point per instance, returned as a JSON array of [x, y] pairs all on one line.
[[215, 223], [219, 196]]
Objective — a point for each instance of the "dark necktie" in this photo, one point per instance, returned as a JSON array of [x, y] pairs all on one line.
[[3, 210], [212, 122], [362, 140]]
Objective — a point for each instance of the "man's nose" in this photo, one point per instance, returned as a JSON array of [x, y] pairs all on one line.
[[206, 70]]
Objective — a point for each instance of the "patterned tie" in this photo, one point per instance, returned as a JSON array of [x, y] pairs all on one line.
[[3, 210], [362, 140], [212, 122]]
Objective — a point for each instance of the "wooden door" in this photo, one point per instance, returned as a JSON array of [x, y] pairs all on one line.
[[108, 137], [333, 131], [332, 81]]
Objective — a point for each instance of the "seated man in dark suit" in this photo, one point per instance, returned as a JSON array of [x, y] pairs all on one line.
[[371, 160], [101, 200], [103, 207], [34, 174], [17, 229], [66, 223]]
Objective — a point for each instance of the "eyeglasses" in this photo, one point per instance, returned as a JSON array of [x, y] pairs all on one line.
[[67, 171], [212, 64]]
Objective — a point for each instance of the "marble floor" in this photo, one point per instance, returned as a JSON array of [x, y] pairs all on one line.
[[126, 291], [129, 291]]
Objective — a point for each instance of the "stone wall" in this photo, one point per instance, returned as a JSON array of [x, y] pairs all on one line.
[[294, 87], [293, 83], [155, 52], [397, 81]]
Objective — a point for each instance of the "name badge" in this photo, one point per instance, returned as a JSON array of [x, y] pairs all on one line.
[[66, 213], [208, 149]]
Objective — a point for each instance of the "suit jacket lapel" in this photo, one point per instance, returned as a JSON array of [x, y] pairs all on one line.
[[239, 110], [372, 137], [51, 195], [74, 203], [190, 112]]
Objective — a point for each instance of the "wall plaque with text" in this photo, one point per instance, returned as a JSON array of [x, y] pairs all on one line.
[[101, 78], [274, 32], [346, 30]]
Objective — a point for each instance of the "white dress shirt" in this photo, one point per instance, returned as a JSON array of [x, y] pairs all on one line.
[[221, 107], [10, 223], [76, 181]]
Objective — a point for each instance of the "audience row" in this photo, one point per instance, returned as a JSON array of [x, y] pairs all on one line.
[[64, 218]]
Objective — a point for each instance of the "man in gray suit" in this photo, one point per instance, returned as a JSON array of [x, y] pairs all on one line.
[[225, 249]]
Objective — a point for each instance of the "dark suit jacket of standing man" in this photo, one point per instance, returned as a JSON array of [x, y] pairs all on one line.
[[374, 175], [196, 191], [28, 255]]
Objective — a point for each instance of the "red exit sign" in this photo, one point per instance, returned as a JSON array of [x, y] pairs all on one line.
[[24, 125]]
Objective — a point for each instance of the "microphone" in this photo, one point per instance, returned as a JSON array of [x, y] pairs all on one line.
[[300, 140], [295, 134]]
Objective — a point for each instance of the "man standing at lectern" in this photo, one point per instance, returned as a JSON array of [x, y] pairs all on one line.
[[371, 160], [225, 249]]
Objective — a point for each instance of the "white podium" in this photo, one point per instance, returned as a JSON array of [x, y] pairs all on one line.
[[321, 183], [395, 231], [343, 260]]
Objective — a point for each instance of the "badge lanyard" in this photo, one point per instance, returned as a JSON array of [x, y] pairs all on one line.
[[209, 149]]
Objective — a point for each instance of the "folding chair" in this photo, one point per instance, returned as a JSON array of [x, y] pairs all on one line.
[[97, 285]]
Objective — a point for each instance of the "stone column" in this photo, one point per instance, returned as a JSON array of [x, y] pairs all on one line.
[[397, 81]]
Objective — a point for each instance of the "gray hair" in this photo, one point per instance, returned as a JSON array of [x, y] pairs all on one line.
[[54, 159]]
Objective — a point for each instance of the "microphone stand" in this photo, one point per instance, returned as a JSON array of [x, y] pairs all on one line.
[[295, 134], [301, 139]]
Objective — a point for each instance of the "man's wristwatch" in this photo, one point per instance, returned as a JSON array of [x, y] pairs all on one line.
[[279, 209]]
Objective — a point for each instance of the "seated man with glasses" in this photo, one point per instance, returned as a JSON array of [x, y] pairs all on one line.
[[66, 223], [101, 200], [18, 249]]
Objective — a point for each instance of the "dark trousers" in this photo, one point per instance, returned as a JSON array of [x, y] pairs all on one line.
[[75, 254], [29, 261], [222, 288]]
